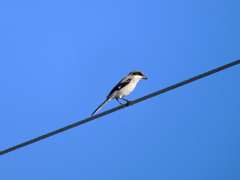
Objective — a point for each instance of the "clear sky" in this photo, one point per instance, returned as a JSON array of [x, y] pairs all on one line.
[[59, 60]]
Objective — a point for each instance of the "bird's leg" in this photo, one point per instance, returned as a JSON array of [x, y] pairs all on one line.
[[128, 102], [119, 101], [125, 99]]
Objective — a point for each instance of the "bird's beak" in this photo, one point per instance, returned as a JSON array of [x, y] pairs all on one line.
[[144, 77]]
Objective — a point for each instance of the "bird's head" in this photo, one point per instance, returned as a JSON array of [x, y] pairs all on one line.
[[138, 74]]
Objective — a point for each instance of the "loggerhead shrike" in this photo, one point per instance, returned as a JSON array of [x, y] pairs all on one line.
[[123, 88]]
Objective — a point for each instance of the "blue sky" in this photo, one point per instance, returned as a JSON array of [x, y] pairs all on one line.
[[59, 60]]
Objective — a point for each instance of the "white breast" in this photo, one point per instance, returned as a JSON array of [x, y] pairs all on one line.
[[128, 88]]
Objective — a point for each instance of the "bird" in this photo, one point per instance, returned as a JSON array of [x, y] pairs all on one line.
[[123, 88]]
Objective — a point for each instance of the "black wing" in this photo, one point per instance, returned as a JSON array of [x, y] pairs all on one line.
[[120, 85]]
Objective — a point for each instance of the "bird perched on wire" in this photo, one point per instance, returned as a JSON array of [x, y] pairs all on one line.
[[123, 88]]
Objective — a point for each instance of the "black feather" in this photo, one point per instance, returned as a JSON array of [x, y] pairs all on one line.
[[120, 85]]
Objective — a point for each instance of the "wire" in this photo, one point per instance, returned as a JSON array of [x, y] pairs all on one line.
[[120, 107]]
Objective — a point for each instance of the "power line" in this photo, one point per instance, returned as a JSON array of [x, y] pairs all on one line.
[[120, 107]]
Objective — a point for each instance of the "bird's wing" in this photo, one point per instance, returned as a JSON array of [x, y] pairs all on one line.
[[121, 84]]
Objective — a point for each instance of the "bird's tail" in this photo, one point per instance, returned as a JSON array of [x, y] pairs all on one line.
[[105, 102]]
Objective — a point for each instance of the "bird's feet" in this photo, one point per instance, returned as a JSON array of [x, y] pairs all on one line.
[[129, 103]]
